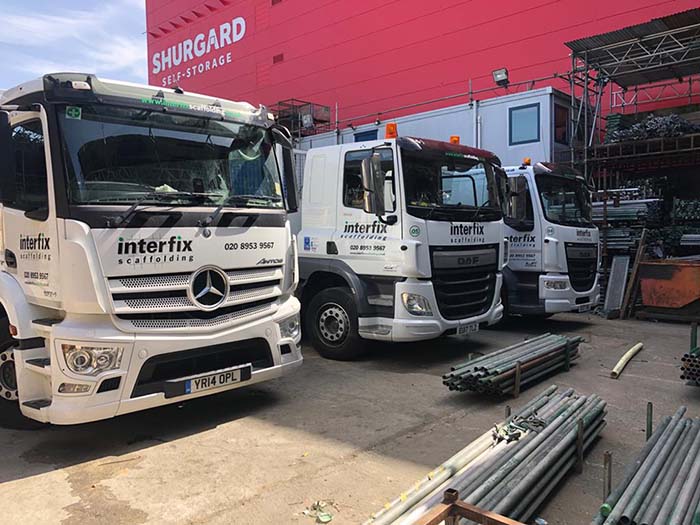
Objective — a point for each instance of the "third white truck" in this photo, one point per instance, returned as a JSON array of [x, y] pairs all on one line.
[[554, 248], [401, 240]]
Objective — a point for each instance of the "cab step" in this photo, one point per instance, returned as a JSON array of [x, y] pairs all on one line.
[[43, 362], [46, 321], [37, 404]]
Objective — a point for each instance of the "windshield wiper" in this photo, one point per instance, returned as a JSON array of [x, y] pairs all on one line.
[[241, 200], [153, 195]]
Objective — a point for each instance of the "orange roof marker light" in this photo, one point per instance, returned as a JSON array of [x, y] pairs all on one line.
[[392, 130], [454, 139], [527, 161]]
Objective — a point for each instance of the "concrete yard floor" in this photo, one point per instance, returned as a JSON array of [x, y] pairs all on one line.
[[355, 434]]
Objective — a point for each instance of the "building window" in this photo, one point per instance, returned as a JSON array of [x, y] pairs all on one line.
[[363, 136], [561, 124], [524, 124], [31, 190], [353, 194]]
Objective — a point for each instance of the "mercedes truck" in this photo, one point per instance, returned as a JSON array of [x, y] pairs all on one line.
[[401, 239], [554, 253], [146, 253]]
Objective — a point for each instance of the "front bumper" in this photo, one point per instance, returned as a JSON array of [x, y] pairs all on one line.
[[405, 327], [65, 409], [567, 299]]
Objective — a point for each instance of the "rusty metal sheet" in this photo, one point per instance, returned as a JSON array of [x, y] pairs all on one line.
[[669, 284]]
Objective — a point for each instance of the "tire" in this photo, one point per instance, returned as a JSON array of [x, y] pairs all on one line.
[[331, 321], [10, 414]]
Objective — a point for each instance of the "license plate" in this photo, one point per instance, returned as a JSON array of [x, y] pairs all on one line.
[[217, 379], [465, 329], [584, 308]]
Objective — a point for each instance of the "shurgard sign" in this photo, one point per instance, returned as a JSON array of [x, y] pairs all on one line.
[[204, 52]]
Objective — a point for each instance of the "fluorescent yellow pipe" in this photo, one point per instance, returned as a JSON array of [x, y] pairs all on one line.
[[622, 363]]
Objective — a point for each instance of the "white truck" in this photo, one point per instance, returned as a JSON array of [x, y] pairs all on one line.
[[146, 253], [400, 240], [554, 246]]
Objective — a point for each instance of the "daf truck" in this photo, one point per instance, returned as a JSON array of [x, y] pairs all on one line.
[[554, 245], [401, 240], [146, 253]]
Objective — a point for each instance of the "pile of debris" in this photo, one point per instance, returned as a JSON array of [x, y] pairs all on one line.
[[505, 371], [513, 469]]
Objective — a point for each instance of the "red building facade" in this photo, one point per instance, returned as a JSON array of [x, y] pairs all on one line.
[[367, 56]]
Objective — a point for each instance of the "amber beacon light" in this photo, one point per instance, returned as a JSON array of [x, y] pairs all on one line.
[[454, 139], [392, 130]]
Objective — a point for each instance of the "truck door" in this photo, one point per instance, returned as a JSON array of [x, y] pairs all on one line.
[[522, 227], [29, 226], [361, 238]]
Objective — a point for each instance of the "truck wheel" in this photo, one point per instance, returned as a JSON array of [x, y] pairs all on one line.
[[10, 415], [331, 320], [8, 377]]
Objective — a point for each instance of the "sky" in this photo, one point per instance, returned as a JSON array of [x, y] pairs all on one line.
[[47, 36]]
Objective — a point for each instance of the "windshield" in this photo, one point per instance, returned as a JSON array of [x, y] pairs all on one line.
[[565, 201], [448, 185], [118, 155]]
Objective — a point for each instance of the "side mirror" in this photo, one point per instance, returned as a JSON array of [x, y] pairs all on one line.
[[373, 185], [282, 138], [7, 167], [289, 179]]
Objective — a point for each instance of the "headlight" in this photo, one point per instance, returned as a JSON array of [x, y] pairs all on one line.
[[416, 304], [291, 327], [555, 285], [91, 360]]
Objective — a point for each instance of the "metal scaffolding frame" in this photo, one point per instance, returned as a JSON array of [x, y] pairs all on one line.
[[646, 57]]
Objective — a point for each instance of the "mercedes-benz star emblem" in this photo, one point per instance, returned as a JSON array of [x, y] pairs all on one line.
[[209, 287]]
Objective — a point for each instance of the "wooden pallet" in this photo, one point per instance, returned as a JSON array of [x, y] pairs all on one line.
[[452, 510]]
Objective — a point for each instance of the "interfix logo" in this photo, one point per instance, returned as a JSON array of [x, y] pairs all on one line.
[[526, 238], [583, 233], [152, 251], [34, 242], [356, 230], [467, 229], [173, 245]]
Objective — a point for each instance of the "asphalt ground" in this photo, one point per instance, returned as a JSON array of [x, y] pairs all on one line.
[[352, 434]]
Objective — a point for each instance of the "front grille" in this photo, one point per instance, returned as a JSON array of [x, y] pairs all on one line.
[[157, 370], [197, 319], [163, 302], [465, 291], [582, 261]]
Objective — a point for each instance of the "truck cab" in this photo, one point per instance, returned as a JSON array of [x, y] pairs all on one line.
[[146, 255], [554, 246], [401, 240]]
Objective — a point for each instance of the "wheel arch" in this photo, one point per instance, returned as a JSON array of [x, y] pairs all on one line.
[[17, 309]]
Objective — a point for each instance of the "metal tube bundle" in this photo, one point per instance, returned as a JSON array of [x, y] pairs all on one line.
[[662, 485], [497, 373], [690, 369], [512, 470]]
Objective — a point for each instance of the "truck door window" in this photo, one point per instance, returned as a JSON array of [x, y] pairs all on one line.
[[31, 190], [352, 178], [520, 213]]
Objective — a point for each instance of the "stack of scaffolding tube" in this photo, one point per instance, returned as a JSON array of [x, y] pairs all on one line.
[[496, 373], [690, 369], [512, 469], [662, 485]]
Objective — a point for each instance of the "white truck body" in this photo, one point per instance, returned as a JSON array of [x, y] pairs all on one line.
[[554, 246], [451, 256], [116, 304]]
